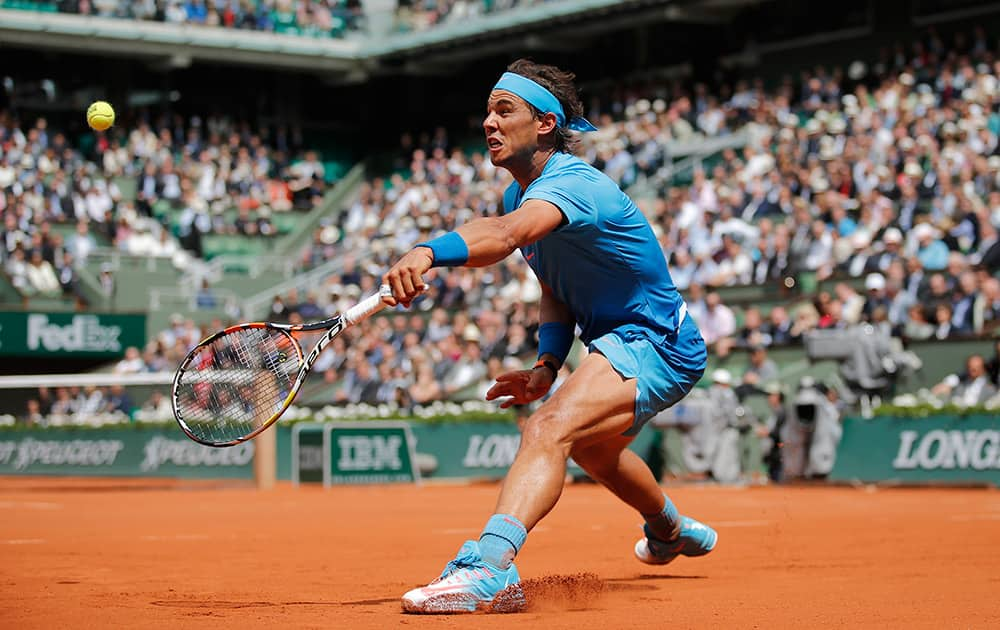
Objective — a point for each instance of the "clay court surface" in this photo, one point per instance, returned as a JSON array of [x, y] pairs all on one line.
[[77, 553]]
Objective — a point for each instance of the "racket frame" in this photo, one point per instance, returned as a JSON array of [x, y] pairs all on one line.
[[332, 327]]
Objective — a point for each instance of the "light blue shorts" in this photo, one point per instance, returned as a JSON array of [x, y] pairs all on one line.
[[664, 371]]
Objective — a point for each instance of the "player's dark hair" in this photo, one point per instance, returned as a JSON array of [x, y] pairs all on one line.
[[560, 83]]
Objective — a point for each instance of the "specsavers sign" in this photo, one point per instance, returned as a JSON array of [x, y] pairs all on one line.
[[70, 334], [936, 449], [119, 452]]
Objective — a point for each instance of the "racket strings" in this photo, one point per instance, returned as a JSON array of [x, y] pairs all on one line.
[[237, 383]]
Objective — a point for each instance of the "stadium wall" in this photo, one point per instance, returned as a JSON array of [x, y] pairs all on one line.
[[941, 449], [472, 450]]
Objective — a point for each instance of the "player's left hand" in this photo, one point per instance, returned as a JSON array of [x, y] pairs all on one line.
[[522, 386], [405, 278]]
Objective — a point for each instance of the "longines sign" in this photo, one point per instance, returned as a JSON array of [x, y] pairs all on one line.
[[935, 449]]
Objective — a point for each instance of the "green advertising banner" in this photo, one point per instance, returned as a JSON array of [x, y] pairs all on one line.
[[125, 452], [372, 452], [356, 452], [353, 453], [84, 335], [309, 442], [484, 450], [940, 449]]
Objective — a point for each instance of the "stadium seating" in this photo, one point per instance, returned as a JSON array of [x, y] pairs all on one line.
[[723, 174], [305, 18]]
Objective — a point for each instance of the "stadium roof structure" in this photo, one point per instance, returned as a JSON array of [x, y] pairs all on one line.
[[558, 24]]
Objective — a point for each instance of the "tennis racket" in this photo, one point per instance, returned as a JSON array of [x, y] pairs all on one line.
[[237, 382]]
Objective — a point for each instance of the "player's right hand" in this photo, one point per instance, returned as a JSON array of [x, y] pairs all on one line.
[[405, 278], [521, 386]]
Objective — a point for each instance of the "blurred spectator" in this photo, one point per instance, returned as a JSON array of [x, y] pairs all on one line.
[[155, 409], [942, 321], [753, 332], [107, 282], [41, 277], [986, 308], [965, 295], [851, 303], [779, 326], [717, 321], [468, 369], [118, 401], [917, 328], [806, 319], [360, 384], [933, 254], [771, 441], [971, 388], [69, 280], [33, 414], [82, 242], [760, 372], [205, 298], [91, 402], [16, 268], [876, 297], [131, 363], [425, 388]]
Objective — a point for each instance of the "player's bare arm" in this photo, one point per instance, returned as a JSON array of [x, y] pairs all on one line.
[[486, 241]]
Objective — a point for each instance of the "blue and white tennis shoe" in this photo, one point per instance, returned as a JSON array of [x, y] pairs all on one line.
[[695, 539], [467, 584]]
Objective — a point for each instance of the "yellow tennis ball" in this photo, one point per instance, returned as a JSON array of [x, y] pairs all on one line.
[[100, 115]]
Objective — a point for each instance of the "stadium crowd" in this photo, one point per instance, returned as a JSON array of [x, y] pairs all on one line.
[[315, 18], [881, 181], [890, 175], [420, 15], [209, 176], [310, 18]]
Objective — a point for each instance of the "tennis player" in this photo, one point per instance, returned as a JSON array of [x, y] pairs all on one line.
[[602, 270]]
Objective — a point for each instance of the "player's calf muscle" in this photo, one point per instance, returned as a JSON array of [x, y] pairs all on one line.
[[599, 460]]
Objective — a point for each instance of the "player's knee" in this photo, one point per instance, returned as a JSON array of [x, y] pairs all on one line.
[[545, 429]]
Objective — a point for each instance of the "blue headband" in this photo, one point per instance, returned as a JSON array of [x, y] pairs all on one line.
[[541, 99]]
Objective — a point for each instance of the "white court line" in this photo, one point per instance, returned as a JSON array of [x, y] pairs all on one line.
[[31, 505], [23, 541]]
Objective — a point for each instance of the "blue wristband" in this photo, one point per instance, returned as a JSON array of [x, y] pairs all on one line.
[[449, 250], [555, 338]]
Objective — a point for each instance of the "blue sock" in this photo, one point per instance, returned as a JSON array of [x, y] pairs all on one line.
[[501, 539], [665, 524]]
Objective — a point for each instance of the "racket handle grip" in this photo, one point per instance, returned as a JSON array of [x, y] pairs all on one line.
[[367, 307]]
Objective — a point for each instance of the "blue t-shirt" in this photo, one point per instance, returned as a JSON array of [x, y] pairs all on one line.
[[604, 261]]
